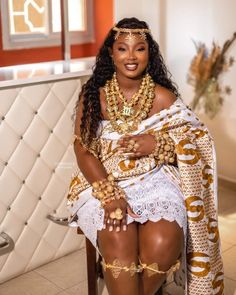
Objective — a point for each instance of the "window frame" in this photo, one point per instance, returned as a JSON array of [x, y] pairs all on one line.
[[37, 40]]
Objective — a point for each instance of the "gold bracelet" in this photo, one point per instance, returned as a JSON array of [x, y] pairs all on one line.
[[107, 190], [164, 150]]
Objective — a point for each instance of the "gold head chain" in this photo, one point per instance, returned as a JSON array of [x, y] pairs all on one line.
[[131, 33]]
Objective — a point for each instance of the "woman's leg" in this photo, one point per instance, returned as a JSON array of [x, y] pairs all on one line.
[[159, 242], [121, 247]]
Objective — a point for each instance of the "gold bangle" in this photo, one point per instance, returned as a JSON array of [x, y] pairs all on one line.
[[164, 150], [107, 190]]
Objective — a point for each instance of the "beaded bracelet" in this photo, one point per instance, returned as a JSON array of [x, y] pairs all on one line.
[[164, 150], [107, 190]]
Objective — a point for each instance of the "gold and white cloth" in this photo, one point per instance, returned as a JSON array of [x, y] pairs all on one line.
[[187, 194]]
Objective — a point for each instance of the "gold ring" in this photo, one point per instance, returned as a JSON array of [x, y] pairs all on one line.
[[117, 214], [113, 215]]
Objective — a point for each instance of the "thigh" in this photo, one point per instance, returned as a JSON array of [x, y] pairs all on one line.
[[160, 239]]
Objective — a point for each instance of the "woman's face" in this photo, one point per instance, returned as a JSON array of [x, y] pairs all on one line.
[[130, 55]]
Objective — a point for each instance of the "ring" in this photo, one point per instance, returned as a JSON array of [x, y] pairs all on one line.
[[133, 145], [117, 214]]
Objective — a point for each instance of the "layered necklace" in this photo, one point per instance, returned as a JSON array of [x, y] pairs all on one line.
[[129, 116]]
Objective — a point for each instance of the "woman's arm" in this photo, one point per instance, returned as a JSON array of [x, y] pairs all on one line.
[[93, 170], [89, 165]]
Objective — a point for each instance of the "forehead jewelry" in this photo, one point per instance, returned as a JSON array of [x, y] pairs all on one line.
[[130, 33]]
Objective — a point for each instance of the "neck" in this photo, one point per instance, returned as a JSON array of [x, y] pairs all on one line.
[[129, 84]]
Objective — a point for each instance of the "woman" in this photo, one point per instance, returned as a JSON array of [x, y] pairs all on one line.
[[145, 191]]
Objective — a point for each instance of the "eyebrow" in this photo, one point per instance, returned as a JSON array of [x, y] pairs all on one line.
[[124, 43]]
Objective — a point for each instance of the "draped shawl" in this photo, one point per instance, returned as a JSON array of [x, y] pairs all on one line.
[[198, 179]]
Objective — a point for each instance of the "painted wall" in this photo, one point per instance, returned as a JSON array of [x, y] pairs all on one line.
[[175, 24], [103, 20], [146, 10], [205, 21]]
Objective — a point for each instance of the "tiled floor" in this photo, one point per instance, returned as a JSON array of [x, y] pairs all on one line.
[[67, 276]]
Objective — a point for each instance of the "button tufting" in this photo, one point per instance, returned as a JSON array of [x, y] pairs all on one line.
[[32, 161]]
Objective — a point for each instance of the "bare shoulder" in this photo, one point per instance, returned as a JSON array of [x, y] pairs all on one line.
[[164, 97]]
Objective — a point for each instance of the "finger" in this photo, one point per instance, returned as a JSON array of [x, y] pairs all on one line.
[[131, 212], [110, 224], [129, 155], [124, 222], [135, 155], [121, 150], [117, 225], [106, 216]]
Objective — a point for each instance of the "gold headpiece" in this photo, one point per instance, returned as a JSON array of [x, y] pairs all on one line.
[[131, 32]]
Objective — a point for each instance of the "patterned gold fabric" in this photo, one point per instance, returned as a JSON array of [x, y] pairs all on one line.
[[197, 167]]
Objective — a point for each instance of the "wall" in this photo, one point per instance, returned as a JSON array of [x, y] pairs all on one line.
[[103, 20], [175, 24], [142, 9], [204, 21]]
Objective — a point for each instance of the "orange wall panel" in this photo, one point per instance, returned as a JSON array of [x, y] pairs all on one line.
[[103, 21]]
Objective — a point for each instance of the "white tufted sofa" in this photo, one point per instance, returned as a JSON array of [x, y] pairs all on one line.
[[36, 163]]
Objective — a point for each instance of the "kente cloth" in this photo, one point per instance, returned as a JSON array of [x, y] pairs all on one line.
[[197, 179]]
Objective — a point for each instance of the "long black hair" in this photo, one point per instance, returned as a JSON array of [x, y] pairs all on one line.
[[103, 71]]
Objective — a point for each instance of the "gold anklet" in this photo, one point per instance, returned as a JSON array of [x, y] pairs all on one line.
[[153, 268]]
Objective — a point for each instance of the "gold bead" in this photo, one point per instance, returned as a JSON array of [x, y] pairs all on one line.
[[95, 185], [100, 195], [167, 147], [110, 178], [110, 188], [161, 156], [171, 160]]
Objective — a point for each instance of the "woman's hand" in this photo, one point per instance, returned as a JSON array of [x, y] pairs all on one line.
[[115, 217], [137, 145]]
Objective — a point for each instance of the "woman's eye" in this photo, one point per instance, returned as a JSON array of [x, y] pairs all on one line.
[[141, 49], [121, 49]]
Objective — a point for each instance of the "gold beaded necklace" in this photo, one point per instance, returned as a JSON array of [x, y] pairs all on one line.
[[130, 117]]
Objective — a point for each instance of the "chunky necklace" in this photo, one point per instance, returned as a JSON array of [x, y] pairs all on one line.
[[130, 117]]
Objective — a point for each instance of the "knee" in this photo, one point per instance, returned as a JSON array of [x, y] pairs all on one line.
[[114, 246], [160, 247]]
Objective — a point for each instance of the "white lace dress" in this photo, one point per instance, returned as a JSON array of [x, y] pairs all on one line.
[[153, 196]]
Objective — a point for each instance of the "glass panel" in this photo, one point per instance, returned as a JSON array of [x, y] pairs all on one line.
[[76, 9], [27, 16], [56, 16], [76, 15]]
